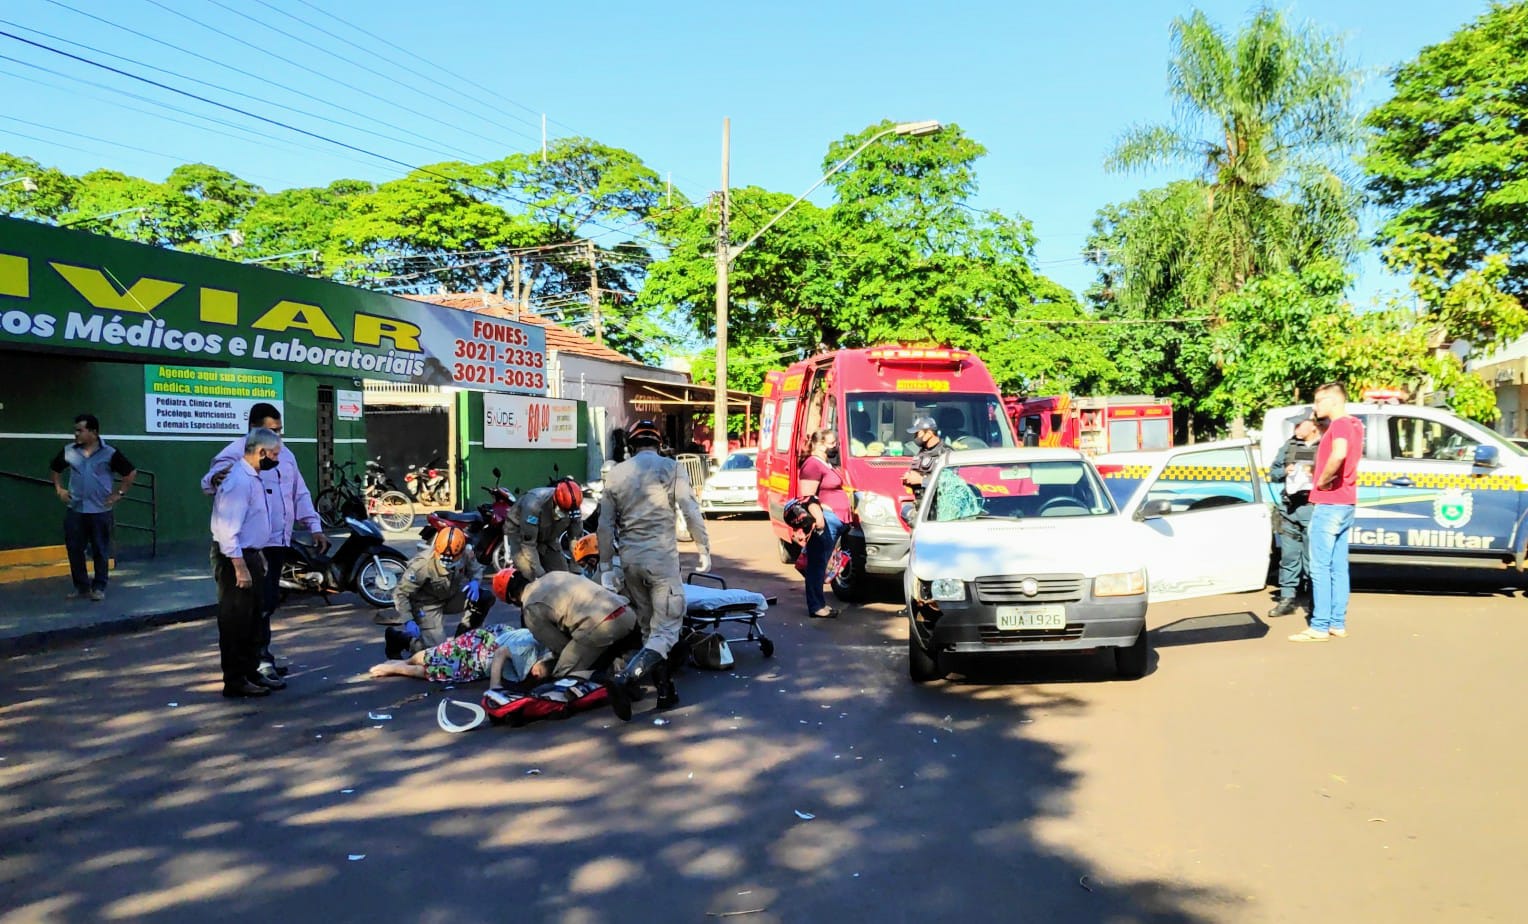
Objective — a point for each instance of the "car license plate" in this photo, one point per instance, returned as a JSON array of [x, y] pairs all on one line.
[[1040, 616]]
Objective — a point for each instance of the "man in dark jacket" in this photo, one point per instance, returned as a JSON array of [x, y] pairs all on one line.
[[1291, 472], [930, 450]]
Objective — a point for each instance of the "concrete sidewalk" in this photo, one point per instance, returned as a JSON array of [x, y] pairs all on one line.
[[176, 586]]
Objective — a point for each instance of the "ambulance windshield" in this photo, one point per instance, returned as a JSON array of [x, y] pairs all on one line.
[[877, 422]]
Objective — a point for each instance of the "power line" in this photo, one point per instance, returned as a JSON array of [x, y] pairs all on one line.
[[234, 126], [299, 65], [429, 143], [420, 74], [467, 80]]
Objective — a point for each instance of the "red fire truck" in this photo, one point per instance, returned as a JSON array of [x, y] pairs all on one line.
[[870, 397], [1094, 425]]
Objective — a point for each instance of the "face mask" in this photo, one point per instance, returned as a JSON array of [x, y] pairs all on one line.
[[267, 463], [832, 456]]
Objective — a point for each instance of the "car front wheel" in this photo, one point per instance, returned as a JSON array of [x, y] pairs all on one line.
[[1131, 661], [922, 664]]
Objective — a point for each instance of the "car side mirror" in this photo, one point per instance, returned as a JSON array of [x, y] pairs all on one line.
[[909, 511], [1153, 509], [1487, 456]]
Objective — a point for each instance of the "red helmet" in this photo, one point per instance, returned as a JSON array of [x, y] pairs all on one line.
[[568, 495], [501, 580]]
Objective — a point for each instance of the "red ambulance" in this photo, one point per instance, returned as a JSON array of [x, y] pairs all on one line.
[[1094, 424], [870, 397]]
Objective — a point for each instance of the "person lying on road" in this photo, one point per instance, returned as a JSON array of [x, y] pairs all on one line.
[[498, 652]]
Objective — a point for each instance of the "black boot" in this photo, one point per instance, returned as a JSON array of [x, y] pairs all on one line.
[[394, 643], [624, 686], [663, 680]]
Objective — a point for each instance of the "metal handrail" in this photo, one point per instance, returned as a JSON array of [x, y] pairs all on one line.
[[145, 480]]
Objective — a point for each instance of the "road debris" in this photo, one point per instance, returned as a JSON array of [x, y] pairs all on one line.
[[355, 856], [804, 816], [1084, 883], [660, 721], [732, 914], [533, 772], [379, 716]]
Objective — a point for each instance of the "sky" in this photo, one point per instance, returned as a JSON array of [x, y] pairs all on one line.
[[1047, 88]]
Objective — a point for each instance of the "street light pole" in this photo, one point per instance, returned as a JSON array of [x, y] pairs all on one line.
[[726, 253], [723, 265]]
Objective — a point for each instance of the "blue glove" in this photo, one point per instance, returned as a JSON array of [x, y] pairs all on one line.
[[411, 629], [474, 587]]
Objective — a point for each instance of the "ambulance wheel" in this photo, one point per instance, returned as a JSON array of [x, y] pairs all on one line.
[[766, 647]]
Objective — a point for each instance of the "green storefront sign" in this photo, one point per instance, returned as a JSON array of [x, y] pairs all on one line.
[[67, 290], [193, 399]]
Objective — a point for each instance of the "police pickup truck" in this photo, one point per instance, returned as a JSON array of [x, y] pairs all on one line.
[[1433, 488]]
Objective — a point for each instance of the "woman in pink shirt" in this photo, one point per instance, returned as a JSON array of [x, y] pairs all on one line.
[[820, 478]]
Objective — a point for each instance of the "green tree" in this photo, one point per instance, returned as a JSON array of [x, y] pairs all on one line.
[[53, 193], [1263, 116], [900, 257], [1445, 152]]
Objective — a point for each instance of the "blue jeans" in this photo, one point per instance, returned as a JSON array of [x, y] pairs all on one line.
[[92, 530], [1330, 527], [818, 547]]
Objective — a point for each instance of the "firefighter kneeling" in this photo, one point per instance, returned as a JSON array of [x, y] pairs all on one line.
[[582, 624]]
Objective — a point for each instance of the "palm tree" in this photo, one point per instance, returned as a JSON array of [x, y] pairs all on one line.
[[1262, 116]]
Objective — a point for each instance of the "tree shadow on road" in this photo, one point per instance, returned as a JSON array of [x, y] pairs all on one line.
[[132, 791]]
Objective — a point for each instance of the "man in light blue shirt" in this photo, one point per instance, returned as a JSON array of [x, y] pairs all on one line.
[[291, 504], [241, 528]]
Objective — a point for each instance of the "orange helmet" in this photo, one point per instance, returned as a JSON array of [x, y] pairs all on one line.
[[449, 544], [586, 545], [568, 495]]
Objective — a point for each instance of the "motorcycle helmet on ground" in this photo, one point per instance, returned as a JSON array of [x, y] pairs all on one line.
[[798, 514], [568, 495], [449, 544], [643, 433]]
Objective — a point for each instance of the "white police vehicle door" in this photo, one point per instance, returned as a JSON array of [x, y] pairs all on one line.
[[1201, 522]]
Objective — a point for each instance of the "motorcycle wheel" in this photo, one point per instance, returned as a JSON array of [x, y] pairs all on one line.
[[499, 558], [375, 581], [395, 512]]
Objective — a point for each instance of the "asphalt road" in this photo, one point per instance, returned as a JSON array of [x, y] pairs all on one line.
[[1377, 778]]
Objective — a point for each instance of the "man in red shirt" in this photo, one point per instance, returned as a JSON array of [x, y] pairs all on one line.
[[1335, 496]]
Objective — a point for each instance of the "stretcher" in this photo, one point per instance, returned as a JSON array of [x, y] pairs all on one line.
[[709, 604]]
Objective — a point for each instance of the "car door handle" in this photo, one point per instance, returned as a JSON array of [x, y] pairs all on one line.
[[1402, 482]]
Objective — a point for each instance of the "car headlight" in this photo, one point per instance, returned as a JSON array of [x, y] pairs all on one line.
[[948, 589], [1120, 584], [877, 510]]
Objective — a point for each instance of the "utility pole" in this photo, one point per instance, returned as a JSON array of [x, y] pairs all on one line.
[[723, 261], [514, 285], [594, 294]]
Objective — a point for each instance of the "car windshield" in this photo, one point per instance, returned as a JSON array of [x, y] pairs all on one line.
[[738, 462], [877, 424], [1019, 490]]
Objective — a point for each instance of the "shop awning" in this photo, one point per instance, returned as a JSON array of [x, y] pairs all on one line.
[[654, 396]]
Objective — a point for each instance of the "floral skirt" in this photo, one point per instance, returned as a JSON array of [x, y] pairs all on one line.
[[462, 659]]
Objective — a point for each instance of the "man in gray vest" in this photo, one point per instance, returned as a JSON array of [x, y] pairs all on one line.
[[93, 467]]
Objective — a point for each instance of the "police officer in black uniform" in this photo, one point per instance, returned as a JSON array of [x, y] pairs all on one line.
[[930, 450], [1292, 472]]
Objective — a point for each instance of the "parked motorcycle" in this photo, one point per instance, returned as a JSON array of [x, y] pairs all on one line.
[[428, 483], [484, 526], [362, 563]]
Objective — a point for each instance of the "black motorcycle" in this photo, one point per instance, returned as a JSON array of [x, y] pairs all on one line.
[[363, 562]]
